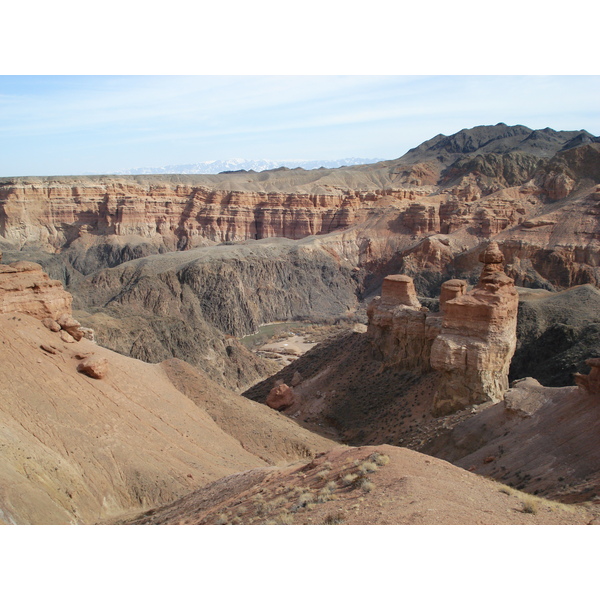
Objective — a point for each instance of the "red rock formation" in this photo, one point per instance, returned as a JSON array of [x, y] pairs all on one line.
[[399, 328], [478, 339], [453, 288], [399, 289], [470, 345], [25, 288], [280, 397]]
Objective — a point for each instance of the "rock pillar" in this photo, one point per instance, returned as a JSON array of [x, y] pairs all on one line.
[[478, 339]]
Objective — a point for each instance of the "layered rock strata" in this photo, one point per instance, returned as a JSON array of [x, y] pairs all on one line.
[[25, 288], [400, 330], [478, 339], [470, 344]]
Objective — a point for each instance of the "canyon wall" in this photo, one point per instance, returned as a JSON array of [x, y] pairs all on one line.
[[426, 220], [53, 214]]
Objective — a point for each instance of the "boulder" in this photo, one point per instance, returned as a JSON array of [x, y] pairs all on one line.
[[71, 326], [97, 368], [66, 337], [280, 397], [51, 324]]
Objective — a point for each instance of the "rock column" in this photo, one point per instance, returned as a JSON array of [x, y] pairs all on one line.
[[477, 340]]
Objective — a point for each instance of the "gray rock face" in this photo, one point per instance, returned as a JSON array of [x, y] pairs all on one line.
[[181, 304], [556, 334]]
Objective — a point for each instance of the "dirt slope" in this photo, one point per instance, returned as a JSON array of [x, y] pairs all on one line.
[[380, 485], [541, 440], [77, 450]]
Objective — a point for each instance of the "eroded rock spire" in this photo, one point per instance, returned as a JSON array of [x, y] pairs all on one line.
[[478, 339]]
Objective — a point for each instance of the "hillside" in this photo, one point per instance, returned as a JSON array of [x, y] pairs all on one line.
[[77, 448], [373, 485]]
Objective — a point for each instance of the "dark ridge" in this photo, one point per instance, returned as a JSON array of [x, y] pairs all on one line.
[[556, 334]]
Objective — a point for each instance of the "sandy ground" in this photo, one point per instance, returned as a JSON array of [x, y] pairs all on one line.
[[287, 349]]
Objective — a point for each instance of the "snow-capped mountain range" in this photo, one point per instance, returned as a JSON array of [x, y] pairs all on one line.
[[237, 164]]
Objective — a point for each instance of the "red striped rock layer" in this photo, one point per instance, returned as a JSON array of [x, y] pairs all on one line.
[[25, 288], [185, 216]]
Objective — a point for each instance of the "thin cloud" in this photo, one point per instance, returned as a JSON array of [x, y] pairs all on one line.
[[85, 124]]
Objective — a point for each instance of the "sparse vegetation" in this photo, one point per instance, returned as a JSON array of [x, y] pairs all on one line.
[[379, 459], [366, 485], [349, 478], [530, 507], [367, 467], [334, 519]]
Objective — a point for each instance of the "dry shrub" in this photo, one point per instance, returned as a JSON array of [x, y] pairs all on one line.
[[368, 467], [366, 485], [334, 519], [349, 479], [381, 459], [530, 507]]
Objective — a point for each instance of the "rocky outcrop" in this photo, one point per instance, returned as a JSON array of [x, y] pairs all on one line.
[[451, 289], [470, 344], [478, 339], [25, 288], [399, 329]]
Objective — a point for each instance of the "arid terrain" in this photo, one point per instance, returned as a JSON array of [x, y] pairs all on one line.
[[410, 341]]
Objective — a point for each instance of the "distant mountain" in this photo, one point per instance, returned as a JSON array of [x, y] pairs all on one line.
[[239, 164], [500, 139]]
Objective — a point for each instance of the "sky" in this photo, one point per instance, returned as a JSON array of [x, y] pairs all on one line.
[[69, 125]]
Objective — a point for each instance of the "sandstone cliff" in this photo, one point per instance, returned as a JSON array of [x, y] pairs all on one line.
[[25, 288]]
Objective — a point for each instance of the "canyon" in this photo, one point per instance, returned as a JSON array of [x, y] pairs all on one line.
[[465, 278], [164, 245]]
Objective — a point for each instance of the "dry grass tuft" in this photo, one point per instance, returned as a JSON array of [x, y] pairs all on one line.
[[367, 467], [380, 459], [366, 485], [350, 478], [334, 519], [530, 507]]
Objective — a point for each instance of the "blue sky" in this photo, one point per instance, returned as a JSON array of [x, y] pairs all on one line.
[[59, 125]]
